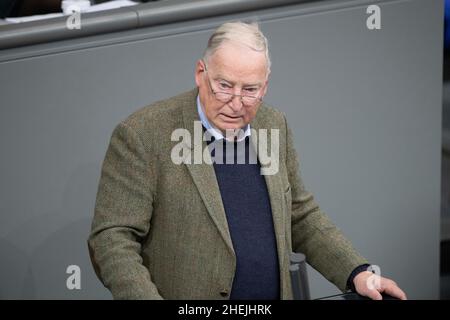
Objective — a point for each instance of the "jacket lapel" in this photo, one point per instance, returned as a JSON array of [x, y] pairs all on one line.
[[203, 174], [274, 188]]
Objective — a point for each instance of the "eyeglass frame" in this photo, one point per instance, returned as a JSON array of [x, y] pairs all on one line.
[[232, 95]]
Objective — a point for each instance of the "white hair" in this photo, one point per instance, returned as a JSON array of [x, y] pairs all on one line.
[[247, 34]]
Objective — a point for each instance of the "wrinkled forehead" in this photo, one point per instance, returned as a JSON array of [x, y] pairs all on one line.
[[237, 62]]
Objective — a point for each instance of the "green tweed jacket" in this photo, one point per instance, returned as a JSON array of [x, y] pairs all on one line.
[[160, 229]]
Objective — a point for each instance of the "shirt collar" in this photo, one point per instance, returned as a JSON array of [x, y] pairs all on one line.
[[217, 134]]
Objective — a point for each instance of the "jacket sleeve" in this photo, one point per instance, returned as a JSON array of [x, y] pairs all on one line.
[[122, 216], [313, 234]]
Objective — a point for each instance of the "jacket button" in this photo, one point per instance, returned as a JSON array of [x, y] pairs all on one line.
[[224, 293]]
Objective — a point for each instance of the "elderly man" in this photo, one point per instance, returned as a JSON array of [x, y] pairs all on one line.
[[207, 227]]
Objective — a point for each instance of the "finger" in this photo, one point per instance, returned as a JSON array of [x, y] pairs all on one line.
[[374, 295], [395, 292]]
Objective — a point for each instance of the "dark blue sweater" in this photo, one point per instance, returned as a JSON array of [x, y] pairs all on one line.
[[247, 207]]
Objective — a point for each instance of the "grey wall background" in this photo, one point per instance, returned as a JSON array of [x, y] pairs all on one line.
[[365, 108]]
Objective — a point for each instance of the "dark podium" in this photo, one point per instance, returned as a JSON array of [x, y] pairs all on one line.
[[354, 296], [300, 284]]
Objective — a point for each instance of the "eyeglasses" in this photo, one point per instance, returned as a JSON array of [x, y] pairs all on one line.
[[225, 97]]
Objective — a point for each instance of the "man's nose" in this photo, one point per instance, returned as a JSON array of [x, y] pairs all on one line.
[[236, 103]]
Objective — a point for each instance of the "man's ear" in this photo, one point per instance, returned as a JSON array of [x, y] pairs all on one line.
[[266, 85], [199, 69]]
